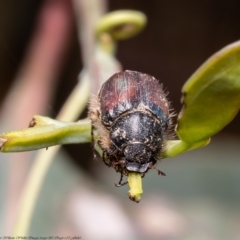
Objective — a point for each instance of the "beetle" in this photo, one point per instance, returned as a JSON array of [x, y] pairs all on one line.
[[131, 119]]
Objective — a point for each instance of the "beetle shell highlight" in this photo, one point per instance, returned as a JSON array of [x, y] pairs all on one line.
[[130, 116], [127, 91]]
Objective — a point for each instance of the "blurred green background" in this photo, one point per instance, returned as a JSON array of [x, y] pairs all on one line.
[[200, 196]]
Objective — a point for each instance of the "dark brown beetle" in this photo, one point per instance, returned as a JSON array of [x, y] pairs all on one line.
[[131, 119]]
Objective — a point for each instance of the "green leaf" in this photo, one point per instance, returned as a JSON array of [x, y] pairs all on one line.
[[211, 97], [176, 147]]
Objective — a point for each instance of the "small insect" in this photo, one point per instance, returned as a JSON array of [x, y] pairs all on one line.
[[131, 119]]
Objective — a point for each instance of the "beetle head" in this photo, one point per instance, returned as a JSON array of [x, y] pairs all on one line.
[[137, 157]]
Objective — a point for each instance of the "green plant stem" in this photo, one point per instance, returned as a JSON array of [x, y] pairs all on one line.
[[135, 184], [46, 136], [121, 24]]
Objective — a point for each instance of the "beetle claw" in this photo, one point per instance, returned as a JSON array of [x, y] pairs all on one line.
[[160, 172], [120, 184]]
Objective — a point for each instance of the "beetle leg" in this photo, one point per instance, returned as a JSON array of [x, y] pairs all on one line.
[[159, 171], [120, 162], [95, 153], [120, 184], [105, 159]]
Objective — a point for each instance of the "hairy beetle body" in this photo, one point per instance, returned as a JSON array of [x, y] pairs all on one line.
[[131, 117]]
